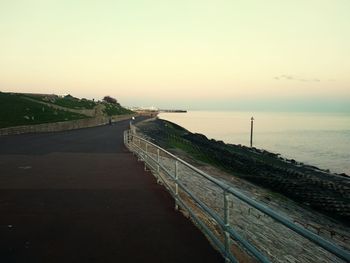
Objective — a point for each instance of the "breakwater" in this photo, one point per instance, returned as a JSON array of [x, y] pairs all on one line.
[[309, 186]]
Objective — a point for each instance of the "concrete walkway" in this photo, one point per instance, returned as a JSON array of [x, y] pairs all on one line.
[[80, 196]]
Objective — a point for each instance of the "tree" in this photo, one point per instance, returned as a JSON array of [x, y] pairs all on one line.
[[109, 99]]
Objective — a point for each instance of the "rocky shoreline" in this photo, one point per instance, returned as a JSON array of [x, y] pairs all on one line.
[[307, 185]]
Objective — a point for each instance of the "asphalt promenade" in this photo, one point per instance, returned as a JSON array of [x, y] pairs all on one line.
[[80, 196]]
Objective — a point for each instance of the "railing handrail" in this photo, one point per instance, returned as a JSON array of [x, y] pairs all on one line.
[[316, 239]]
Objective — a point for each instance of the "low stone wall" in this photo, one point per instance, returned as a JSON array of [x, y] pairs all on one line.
[[63, 126]]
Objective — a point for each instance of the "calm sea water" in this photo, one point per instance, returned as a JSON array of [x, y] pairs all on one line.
[[322, 140]]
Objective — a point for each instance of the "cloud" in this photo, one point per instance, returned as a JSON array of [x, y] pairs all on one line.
[[297, 78]]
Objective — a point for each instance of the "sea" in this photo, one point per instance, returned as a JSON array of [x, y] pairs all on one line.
[[317, 139]]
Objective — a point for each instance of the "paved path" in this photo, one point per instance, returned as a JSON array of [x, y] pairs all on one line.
[[80, 196]]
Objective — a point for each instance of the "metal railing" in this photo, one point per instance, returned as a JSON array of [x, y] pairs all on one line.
[[157, 159]]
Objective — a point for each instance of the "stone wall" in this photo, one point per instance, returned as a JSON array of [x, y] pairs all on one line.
[[62, 126]]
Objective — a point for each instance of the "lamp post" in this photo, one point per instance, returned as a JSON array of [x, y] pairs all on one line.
[[251, 131]]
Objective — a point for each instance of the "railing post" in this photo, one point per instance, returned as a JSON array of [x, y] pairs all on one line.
[[227, 225], [126, 141], [158, 163], [138, 151], [176, 186], [132, 142], [146, 154]]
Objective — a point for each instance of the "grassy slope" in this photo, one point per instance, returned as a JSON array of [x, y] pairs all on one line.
[[115, 109], [14, 108], [68, 102]]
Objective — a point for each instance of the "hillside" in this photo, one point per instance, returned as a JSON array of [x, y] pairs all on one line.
[[16, 110], [27, 109], [115, 109], [66, 101]]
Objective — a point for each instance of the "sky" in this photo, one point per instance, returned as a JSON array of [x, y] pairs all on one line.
[[194, 54]]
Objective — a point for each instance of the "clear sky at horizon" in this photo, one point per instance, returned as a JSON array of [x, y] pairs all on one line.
[[186, 53]]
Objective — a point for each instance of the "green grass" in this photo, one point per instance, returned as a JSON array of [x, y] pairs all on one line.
[[175, 139], [115, 109], [67, 101], [16, 110], [192, 150], [75, 103]]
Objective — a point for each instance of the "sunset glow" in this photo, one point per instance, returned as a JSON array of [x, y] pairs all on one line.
[[169, 52]]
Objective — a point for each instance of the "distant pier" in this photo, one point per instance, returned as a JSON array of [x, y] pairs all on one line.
[[155, 112], [174, 111]]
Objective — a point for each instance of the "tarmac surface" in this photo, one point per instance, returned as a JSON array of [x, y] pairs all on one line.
[[81, 196]]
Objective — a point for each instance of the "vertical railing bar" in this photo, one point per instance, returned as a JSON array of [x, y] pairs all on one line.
[[176, 186], [227, 225], [146, 156], [158, 163], [207, 231]]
